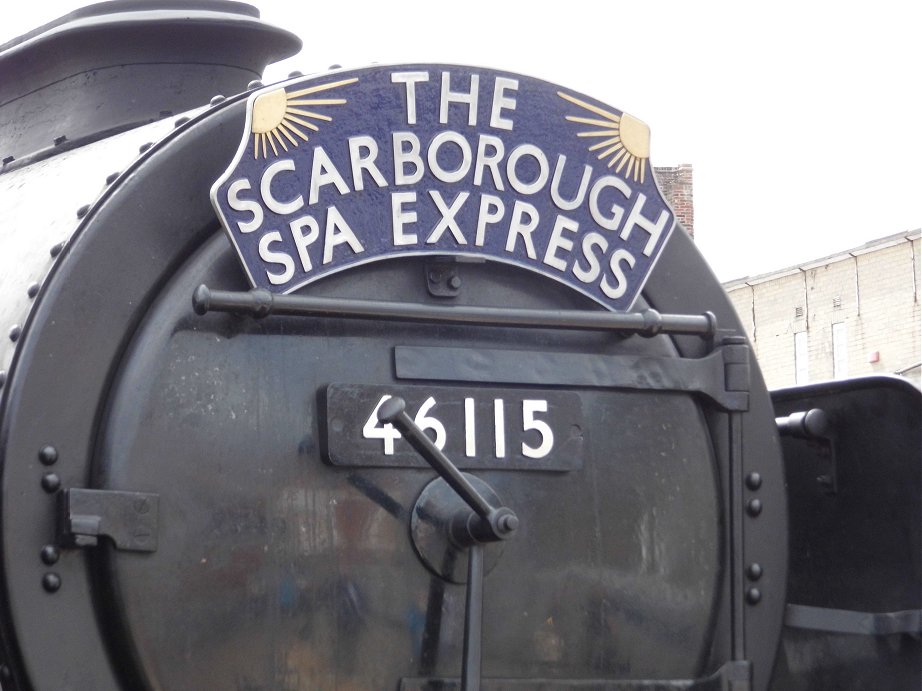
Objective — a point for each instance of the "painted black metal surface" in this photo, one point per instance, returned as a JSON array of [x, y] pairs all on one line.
[[116, 65], [484, 428], [661, 557], [855, 585], [274, 568]]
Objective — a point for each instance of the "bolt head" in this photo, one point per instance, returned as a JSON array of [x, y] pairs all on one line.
[[754, 507], [754, 571], [753, 481], [50, 554], [753, 596], [48, 455], [51, 483], [51, 582]]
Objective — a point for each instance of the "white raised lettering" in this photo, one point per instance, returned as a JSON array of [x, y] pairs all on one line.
[[364, 162], [265, 189], [558, 241], [637, 219], [489, 161], [302, 240], [590, 241], [517, 184], [447, 221], [410, 79], [272, 257], [614, 263], [433, 156], [491, 211], [238, 204], [403, 157], [557, 198], [338, 232], [520, 227], [323, 172], [617, 213], [502, 102], [400, 217], [469, 97]]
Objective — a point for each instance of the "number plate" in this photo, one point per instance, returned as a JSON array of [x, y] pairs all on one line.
[[476, 428]]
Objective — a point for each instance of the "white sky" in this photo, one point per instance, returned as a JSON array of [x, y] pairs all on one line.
[[802, 118]]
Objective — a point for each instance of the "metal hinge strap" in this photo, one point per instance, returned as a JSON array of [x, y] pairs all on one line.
[[129, 519]]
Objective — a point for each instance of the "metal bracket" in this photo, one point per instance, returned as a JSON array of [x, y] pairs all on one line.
[[443, 279], [732, 676], [857, 623], [722, 376], [129, 519], [815, 428]]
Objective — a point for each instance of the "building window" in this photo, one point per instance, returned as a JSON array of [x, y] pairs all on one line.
[[839, 351], [801, 359]]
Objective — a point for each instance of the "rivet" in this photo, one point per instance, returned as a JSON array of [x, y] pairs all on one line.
[[50, 554], [334, 66], [296, 73], [51, 482], [51, 582], [82, 211], [60, 140], [435, 275], [56, 249], [753, 596], [255, 84], [454, 282], [753, 481], [8, 159], [112, 177], [5, 673], [15, 332], [754, 507], [754, 571], [215, 100], [2, 378], [181, 121], [144, 147], [48, 455], [32, 290]]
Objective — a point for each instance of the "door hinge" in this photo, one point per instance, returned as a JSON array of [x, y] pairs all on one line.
[[129, 519]]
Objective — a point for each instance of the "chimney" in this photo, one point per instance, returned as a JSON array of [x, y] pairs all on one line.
[[676, 186]]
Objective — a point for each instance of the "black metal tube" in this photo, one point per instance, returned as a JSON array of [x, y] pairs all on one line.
[[262, 303], [393, 411], [473, 621]]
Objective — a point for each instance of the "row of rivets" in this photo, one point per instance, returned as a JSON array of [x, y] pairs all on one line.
[[16, 330], [754, 509], [51, 581]]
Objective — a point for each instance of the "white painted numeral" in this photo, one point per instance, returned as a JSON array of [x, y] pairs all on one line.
[[470, 436], [372, 430], [499, 427], [529, 408], [426, 422]]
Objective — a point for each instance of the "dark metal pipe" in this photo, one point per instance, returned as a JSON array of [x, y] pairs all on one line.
[[261, 303]]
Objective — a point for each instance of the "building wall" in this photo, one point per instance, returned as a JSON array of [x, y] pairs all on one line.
[[873, 291], [677, 187]]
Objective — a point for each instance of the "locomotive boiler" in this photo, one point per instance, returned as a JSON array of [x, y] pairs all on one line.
[[401, 377]]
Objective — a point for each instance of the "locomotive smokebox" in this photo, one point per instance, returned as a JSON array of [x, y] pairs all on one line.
[[115, 65]]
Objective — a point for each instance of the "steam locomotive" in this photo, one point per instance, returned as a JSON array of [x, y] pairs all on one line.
[[401, 377]]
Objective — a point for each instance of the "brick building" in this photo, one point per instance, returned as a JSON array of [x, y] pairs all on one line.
[[676, 186], [849, 314]]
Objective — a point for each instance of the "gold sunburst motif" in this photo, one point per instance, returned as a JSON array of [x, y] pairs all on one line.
[[624, 139], [279, 116]]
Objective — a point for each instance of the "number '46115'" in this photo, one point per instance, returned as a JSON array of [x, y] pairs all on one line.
[[373, 429]]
